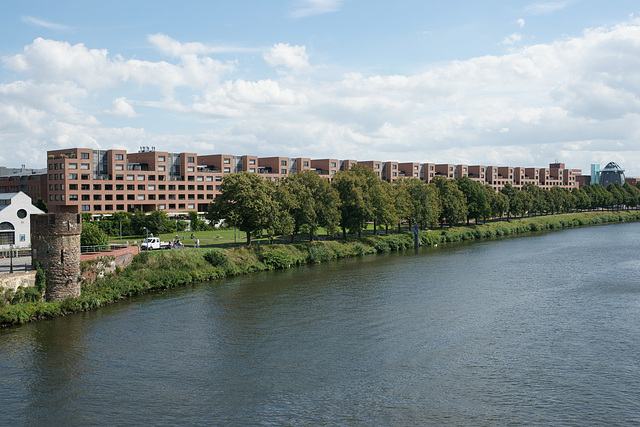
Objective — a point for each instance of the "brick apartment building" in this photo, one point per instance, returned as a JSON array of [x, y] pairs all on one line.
[[106, 181]]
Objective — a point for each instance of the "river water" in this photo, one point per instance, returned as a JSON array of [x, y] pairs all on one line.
[[522, 331]]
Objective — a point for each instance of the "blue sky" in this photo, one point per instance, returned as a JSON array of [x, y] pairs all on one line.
[[520, 83]]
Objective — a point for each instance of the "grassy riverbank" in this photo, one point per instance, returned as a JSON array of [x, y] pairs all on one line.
[[152, 271]]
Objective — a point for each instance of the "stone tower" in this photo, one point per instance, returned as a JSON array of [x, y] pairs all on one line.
[[55, 244]]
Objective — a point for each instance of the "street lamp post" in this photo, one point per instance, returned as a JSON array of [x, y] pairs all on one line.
[[11, 258], [147, 239]]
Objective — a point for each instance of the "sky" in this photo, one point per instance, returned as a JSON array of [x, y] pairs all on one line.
[[502, 83]]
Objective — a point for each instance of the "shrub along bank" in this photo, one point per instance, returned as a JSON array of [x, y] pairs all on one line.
[[151, 271]]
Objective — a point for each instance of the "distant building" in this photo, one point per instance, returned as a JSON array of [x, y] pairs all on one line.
[[15, 212], [611, 174]]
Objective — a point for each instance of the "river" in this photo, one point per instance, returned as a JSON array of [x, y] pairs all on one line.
[[535, 330]]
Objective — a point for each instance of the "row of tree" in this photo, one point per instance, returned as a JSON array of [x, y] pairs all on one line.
[[302, 203]]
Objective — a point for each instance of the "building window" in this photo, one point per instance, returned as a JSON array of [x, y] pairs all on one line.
[[141, 187], [252, 161], [119, 157], [131, 197], [73, 176], [190, 159], [162, 206], [73, 197], [119, 167], [333, 164], [73, 166], [394, 167], [151, 187], [131, 187], [119, 177], [283, 163], [283, 171], [377, 166], [140, 177], [85, 208], [130, 177], [190, 169], [140, 196], [161, 168], [97, 187], [200, 178], [73, 186], [227, 170], [305, 163], [227, 161], [97, 197], [161, 158], [84, 156], [191, 206]]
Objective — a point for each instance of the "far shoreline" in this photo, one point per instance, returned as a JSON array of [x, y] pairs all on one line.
[[160, 270]]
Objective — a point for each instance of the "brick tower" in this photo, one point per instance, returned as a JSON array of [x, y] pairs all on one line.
[[55, 244]]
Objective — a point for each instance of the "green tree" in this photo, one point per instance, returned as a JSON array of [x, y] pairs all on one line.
[[92, 235], [419, 202], [452, 200], [353, 208], [311, 201], [499, 202], [537, 198], [633, 194], [378, 197], [40, 204], [246, 201], [582, 199], [477, 202]]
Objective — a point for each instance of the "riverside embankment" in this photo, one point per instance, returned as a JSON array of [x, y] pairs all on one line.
[[151, 271]]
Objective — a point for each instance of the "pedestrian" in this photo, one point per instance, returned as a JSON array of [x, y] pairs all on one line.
[[197, 243]]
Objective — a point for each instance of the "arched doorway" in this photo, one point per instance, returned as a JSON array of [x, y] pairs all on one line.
[[7, 234]]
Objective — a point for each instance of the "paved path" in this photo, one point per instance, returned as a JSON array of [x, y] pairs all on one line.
[[19, 264]]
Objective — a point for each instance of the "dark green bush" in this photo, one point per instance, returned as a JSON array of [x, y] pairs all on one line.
[[216, 258], [318, 253], [276, 259]]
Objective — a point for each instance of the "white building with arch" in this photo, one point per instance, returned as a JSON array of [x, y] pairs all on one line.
[[15, 220]]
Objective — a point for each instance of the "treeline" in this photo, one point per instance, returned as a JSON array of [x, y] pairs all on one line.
[[138, 223], [303, 203]]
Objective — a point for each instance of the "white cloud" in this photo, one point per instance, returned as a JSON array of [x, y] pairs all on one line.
[[287, 56], [174, 48], [511, 39], [46, 24], [577, 100], [520, 22], [54, 61], [304, 8], [122, 108]]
